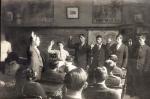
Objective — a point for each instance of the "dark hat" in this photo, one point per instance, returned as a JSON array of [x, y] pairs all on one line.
[[12, 57]]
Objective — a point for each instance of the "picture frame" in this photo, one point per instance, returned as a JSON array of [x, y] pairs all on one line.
[[104, 33], [72, 12]]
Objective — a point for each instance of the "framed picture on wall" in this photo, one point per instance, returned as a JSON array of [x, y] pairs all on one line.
[[72, 12], [104, 33]]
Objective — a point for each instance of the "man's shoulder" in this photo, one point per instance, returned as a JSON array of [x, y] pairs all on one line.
[[147, 47], [113, 81], [6, 42], [92, 92]]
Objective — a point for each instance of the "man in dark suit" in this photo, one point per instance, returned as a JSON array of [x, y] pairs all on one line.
[[82, 50], [98, 55], [142, 68], [109, 43], [100, 90], [121, 50]]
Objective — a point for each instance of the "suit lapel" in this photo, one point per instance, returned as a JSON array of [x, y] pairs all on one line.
[[39, 56]]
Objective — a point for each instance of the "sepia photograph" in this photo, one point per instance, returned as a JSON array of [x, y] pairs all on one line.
[[75, 49]]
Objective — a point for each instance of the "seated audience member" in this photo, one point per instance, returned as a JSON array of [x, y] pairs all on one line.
[[100, 90], [52, 80], [11, 68], [75, 82], [20, 78], [116, 70], [7, 80], [112, 81], [12, 64], [31, 88], [68, 65]]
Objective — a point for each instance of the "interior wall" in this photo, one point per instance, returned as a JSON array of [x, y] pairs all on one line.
[[19, 37], [61, 27]]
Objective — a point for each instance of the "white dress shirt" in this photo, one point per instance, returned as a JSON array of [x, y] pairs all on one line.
[[5, 49]]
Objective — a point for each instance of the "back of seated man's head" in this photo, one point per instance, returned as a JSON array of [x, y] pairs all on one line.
[[109, 64], [114, 58], [100, 74], [75, 79]]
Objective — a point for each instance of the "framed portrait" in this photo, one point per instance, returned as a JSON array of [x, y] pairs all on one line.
[[72, 12]]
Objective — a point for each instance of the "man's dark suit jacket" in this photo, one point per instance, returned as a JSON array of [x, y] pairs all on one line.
[[113, 81], [122, 54], [142, 70], [99, 91], [99, 56], [143, 58], [82, 54], [108, 49]]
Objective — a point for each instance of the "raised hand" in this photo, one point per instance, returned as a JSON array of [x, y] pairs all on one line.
[[52, 42], [70, 37], [33, 35], [92, 45]]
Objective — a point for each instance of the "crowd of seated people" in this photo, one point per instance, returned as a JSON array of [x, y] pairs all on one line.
[[60, 83]]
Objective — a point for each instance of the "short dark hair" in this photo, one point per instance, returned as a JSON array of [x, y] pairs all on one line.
[[141, 35], [108, 65], [60, 42], [75, 79], [81, 35], [119, 35], [100, 74], [114, 58], [12, 57], [98, 36]]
